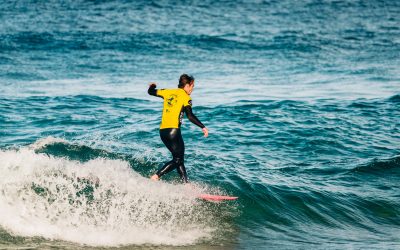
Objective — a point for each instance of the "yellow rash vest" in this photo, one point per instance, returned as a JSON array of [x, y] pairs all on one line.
[[174, 102]]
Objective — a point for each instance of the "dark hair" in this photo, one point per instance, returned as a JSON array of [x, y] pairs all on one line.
[[185, 79]]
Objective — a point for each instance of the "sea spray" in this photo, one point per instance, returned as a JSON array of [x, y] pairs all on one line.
[[100, 203]]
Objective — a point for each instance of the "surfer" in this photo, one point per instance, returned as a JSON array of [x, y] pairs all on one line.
[[176, 101]]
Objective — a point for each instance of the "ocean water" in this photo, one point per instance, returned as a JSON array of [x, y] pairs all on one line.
[[302, 100]]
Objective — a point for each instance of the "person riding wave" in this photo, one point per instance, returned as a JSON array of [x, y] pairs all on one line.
[[176, 102]]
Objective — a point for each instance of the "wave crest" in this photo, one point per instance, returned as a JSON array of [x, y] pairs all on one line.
[[100, 202]]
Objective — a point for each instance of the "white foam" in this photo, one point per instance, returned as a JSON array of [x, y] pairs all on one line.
[[39, 197], [46, 141]]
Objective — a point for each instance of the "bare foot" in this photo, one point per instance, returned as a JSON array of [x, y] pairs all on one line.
[[155, 178]]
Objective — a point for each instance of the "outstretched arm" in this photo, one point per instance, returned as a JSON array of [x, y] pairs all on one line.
[[195, 120]]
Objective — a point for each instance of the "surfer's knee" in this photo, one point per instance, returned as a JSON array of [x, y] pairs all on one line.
[[178, 160]]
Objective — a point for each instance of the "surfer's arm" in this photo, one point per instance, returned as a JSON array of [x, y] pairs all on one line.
[[156, 92], [192, 117]]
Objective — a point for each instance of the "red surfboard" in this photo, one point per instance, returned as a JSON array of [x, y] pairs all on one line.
[[210, 197]]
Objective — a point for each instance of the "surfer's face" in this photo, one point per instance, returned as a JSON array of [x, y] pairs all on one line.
[[189, 88]]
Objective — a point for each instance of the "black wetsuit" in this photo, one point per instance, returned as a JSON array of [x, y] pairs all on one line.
[[171, 136]]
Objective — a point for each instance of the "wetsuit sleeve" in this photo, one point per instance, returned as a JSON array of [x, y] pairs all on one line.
[[155, 92], [191, 116]]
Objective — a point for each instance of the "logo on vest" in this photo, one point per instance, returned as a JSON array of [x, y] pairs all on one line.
[[171, 100]]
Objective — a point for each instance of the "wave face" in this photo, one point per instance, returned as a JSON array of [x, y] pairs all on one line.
[[301, 98]]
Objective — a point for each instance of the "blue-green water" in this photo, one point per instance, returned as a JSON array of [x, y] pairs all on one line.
[[302, 100]]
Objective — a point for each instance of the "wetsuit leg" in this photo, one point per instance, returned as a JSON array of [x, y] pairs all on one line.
[[172, 139], [182, 172]]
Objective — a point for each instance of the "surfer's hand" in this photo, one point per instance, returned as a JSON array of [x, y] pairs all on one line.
[[205, 131], [153, 83]]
